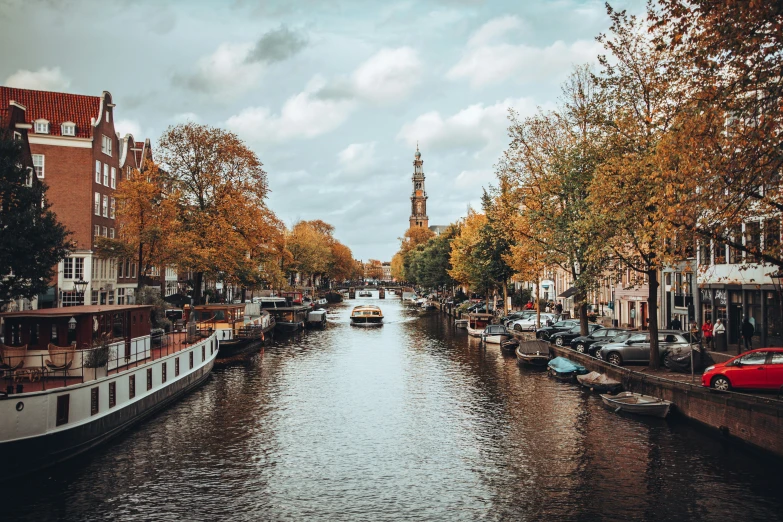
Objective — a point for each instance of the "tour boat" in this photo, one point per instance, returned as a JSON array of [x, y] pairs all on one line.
[[637, 403], [74, 377], [366, 315], [289, 317], [477, 323], [240, 328]]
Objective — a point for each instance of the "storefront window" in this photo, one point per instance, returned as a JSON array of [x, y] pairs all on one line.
[[753, 309], [706, 304], [772, 303]]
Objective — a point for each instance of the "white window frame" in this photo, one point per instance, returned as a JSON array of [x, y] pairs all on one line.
[[39, 173], [105, 207], [17, 136], [112, 208], [106, 174], [97, 204], [113, 177], [111, 233], [29, 178], [98, 172], [68, 129], [128, 174], [68, 268], [107, 116], [41, 127], [106, 144], [105, 234]]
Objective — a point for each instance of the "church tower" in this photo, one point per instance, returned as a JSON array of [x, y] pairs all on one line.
[[419, 198]]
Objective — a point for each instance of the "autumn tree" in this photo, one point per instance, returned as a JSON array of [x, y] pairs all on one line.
[[470, 263], [310, 249], [341, 262], [222, 211], [551, 160], [725, 149], [429, 263], [33, 240], [374, 269], [632, 191], [147, 222]]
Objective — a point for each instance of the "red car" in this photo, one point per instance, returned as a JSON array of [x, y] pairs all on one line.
[[760, 369]]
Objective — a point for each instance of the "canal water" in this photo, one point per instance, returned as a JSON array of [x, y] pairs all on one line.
[[412, 420]]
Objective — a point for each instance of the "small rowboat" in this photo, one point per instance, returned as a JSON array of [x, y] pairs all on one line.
[[564, 369], [637, 403], [533, 353], [509, 346], [599, 382]]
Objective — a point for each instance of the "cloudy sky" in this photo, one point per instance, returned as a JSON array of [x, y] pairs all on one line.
[[331, 94]]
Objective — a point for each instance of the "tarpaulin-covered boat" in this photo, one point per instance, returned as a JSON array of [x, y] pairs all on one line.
[[599, 382], [565, 369]]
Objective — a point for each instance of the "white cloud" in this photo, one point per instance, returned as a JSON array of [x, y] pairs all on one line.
[[131, 127], [494, 29], [226, 71], [389, 75], [357, 158], [477, 128], [43, 79], [185, 117], [488, 61], [304, 115]]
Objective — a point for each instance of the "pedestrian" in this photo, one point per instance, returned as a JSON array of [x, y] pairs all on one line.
[[694, 332], [706, 330], [676, 324], [717, 333], [548, 308], [747, 334], [559, 308]]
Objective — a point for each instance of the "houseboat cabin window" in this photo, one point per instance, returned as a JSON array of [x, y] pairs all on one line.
[[63, 407], [54, 334], [131, 386], [203, 353], [94, 401], [112, 394], [163, 372], [149, 379], [190, 359], [176, 367]]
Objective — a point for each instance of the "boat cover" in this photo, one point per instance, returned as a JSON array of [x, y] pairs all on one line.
[[598, 378], [563, 365]]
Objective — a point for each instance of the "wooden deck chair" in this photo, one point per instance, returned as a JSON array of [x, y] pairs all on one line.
[[60, 358], [12, 357]]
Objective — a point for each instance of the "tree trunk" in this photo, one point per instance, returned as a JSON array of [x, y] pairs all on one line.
[[505, 298], [538, 304], [652, 314], [139, 283], [582, 300], [197, 283]]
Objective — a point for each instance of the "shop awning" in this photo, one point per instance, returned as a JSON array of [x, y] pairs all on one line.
[[568, 293]]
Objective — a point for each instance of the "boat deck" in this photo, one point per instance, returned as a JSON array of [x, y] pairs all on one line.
[[172, 343]]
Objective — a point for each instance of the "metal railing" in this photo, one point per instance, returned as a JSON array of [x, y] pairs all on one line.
[[39, 370]]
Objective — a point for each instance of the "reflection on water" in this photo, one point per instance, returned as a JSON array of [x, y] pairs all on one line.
[[409, 421]]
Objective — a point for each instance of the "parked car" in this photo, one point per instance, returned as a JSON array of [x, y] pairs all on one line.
[[546, 332], [515, 316], [529, 324], [618, 337], [583, 343], [760, 369], [564, 338], [637, 347]]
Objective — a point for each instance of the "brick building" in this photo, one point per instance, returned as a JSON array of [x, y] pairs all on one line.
[[77, 152]]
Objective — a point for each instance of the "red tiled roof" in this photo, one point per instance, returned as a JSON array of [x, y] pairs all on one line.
[[57, 107]]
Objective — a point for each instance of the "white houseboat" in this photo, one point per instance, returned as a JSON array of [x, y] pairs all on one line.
[[73, 377], [240, 328]]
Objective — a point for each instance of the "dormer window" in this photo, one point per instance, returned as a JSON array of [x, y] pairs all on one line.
[[68, 129], [42, 127]]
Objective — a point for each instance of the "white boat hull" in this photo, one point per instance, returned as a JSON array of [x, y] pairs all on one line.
[[475, 332], [638, 404]]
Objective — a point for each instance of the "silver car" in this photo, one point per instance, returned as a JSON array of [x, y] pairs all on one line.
[[637, 347]]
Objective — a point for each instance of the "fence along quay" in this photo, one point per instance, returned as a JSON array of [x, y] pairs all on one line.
[[74, 377]]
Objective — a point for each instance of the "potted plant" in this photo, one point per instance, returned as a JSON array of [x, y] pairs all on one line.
[[96, 359]]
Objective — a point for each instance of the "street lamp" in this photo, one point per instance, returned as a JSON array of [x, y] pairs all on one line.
[[80, 286]]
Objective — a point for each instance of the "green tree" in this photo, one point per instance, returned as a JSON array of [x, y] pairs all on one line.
[[32, 238]]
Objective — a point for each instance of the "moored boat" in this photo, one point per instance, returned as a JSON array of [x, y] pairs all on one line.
[[83, 374], [365, 294], [599, 382], [637, 403], [533, 353], [240, 328], [461, 323], [288, 316], [477, 323], [509, 346], [316, 319], [366, 315], [495, 334], [564, 369]]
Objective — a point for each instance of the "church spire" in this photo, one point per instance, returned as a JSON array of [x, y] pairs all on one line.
[[419, 197]]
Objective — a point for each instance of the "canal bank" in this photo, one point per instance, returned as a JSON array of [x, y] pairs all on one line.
[[751, 420]]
